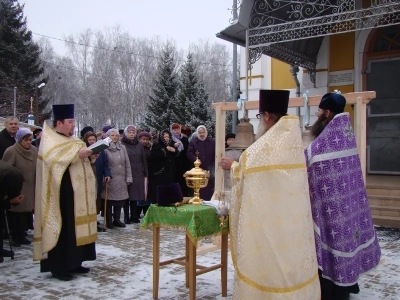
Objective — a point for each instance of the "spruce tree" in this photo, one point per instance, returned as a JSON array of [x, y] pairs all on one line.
[[158, 114], [187, 90], [191, 106], [20, 65]]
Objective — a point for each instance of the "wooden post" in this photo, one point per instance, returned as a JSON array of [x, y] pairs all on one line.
[[156, 260], [361, 134], [220, 123], [192, 271]]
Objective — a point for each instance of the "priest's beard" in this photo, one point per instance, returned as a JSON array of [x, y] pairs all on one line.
[[262, 128], [319, 125]]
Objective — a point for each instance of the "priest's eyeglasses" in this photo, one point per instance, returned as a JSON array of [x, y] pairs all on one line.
[[320, 112], [259, 115]]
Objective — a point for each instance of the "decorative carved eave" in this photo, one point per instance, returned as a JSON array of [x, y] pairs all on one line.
[[292, 31]]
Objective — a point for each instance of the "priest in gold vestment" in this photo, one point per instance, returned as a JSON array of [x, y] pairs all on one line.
[[271, 227], [65, 206]]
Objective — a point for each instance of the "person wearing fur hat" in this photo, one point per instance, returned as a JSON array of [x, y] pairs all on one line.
[[65, 229], [121, 134], [182, 163], [344, 231], [105, 129], [206, 149], [85, 130], [229, 139], [23, 155], [138, 189]]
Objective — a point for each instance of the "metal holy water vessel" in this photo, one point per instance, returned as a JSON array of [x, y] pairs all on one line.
[[196, 179]]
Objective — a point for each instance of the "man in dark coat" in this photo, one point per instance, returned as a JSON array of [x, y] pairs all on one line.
[[7, 135], [11, 181]]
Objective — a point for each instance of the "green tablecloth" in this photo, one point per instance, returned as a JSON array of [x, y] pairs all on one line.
[[199, 221]]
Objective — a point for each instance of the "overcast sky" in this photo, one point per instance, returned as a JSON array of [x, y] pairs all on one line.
[[183, 20]]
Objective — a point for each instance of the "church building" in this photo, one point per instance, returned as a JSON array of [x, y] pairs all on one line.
[[343, 59]]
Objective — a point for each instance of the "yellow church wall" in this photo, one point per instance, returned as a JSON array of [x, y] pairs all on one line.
[[281, 78], [341, 57]]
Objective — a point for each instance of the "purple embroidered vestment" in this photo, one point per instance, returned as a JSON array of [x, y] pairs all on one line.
[[345, 238]]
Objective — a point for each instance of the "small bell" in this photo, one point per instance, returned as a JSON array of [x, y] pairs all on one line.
[[244, 135]]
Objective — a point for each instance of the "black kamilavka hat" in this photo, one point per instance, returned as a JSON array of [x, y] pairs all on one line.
[[274, 101], [63, 111]]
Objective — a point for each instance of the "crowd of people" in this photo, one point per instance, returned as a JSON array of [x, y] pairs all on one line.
[[300, 223], [126, 173]]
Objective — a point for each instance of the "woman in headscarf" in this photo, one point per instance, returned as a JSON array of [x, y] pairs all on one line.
[[162, 157], [206, 147], [121, 177], [22, 155], [137, 158]]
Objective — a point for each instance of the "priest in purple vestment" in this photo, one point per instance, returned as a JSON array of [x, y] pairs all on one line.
[[345, 238]]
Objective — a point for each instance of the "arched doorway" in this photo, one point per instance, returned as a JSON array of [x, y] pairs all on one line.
[[382, 74]]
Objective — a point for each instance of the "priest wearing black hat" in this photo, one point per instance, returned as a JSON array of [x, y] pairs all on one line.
[[333, 161], [65, 208], [271, 227], [331, 104]]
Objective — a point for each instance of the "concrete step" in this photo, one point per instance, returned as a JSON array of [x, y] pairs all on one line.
[[384, 200], [381, 210], [387, 221], [383, 190]]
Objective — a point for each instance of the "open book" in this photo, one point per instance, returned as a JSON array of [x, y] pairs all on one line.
[[100, 145]]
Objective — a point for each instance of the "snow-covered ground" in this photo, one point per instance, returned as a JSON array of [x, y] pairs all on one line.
[[123, 270]]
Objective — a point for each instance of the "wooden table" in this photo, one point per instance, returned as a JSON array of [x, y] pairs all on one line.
[[192, 269]]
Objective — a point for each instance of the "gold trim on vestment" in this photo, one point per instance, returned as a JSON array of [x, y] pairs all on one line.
[[273, 168], [37, 239], [82, 220], [86, 240], [87, 199], [260, 287], [49, 179]]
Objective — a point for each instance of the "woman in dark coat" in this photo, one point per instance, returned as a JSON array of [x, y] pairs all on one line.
[[23, 155], [182, 163], [137, 158], [206, 147], [162, 157]]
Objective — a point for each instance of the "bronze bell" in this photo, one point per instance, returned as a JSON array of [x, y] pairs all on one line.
[[244, 135]]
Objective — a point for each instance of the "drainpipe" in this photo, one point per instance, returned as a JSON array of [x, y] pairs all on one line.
[[294, 70]]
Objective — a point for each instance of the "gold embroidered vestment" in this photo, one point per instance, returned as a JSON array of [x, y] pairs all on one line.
[[59, 154], [271, 227]]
